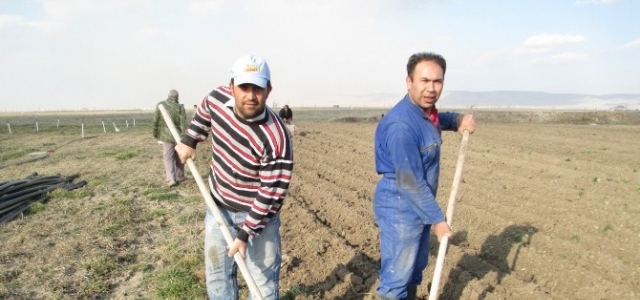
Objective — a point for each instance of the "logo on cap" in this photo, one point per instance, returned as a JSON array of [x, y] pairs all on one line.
[[252, 68]]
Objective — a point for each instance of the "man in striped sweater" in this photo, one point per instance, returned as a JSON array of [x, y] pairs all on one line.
[[251, 170]]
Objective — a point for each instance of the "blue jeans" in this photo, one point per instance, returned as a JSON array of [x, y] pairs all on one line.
[[263, 257], [404, 241]]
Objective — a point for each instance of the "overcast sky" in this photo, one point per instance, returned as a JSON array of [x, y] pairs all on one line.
[[110, 54]]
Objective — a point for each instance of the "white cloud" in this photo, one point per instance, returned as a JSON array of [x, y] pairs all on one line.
[[536, 44], [65, 10], [552, 40], [562, 58], [152, 33], [7, 20], [632, 44], [529, 50], [48, 26], [205, 8], [605, 2]]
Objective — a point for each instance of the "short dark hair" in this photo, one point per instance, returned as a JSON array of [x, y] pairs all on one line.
[[268, 83], [425, 56]]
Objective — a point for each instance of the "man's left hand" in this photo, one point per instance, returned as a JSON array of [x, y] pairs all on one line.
[[238, 246]]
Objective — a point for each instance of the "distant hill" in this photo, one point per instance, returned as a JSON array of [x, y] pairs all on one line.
[[539, 99], [508, 99]]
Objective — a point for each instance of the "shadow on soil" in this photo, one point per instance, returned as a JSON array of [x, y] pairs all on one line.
[[491, 258], [361, 271]]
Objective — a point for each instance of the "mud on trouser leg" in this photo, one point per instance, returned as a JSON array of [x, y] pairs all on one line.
[[263, 258], [220, 269], [404, 244]]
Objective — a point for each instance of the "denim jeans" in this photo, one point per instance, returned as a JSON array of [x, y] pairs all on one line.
[[263, 257], [404, 241]]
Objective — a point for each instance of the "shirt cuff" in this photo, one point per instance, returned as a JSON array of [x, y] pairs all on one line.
[[243, 236], [189, 141]]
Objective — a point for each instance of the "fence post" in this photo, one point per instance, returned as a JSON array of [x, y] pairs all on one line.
[[83, 130], [103, 127], [37, 127], [58, 126], [127, 121], [134, 122], [9, 125]]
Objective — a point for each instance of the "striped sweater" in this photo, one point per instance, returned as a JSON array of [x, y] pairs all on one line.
[[252, 160]]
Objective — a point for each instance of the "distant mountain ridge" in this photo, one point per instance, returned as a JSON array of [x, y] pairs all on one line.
[[539, 99], [508, 99]]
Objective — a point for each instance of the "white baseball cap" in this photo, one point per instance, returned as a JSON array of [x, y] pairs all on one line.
[[251, 69]]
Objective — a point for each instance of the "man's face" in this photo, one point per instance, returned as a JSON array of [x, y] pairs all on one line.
[[250, 99], [425, 84]]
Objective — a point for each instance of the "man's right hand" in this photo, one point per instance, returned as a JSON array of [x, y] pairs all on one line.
[[185, 152], [442, 229]]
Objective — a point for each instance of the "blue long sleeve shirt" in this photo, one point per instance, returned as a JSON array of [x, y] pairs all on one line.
[[407, 150]]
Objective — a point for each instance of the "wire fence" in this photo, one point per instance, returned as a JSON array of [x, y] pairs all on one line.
[[88, 124]]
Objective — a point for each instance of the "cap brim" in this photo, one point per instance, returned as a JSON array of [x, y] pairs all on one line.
[[259, 81]]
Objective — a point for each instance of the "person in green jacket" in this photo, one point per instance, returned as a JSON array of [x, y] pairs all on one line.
[[174, 168]]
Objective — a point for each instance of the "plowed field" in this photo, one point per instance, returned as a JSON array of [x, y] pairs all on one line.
[[544, 212]]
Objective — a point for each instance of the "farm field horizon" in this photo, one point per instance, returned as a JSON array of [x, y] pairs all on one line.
[[547, 209]]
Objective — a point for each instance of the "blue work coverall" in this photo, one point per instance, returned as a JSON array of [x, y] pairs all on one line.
[[407, 155]]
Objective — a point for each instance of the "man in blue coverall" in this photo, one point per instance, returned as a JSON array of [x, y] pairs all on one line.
[[407, 151]]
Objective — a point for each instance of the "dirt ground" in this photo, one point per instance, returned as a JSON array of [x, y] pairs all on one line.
[[543, 212]]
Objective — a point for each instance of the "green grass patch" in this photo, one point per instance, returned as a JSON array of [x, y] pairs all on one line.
[[94, 287], [100, 207], [126, 155], [36, 208], [7, 154], [293, 292], [113, 229], [119, 155], [75, 194], [160, 194], [192, 199], [178, 284], [575, 237], [164, 196], [190, 217], [180, 281], [141, 267], [100, 180], [521, 237], [102, 266], [154, 213], [607, 228]]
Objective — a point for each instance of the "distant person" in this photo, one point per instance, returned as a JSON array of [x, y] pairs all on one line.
[[286, 114], [174, 168], [195, 111], [407, 155], [250, 174]]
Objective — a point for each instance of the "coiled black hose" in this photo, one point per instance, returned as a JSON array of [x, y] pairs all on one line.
[[17, 195]]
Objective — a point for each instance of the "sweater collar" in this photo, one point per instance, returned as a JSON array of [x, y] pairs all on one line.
[[232, 102]]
